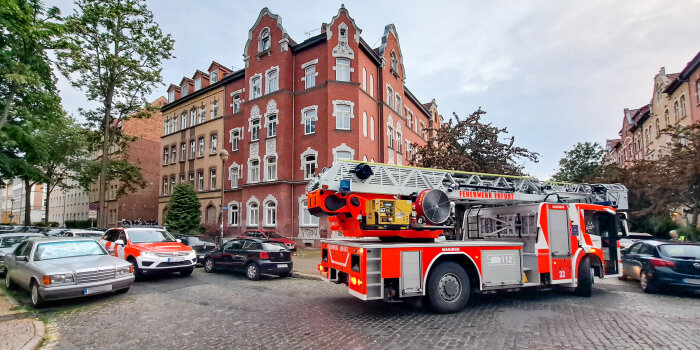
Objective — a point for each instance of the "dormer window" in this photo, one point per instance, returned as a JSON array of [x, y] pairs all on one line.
[[197, 84], [214, 76], [264, 40], [171, 96], [394, 63], [185, 90]]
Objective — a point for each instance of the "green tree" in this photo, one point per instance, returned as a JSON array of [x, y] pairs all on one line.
[[184, 213], [580, 162], [116, 56], [28, 95], [60, 151], [470, 145]]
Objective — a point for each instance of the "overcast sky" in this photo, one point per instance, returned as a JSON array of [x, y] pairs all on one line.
[[554, 72]]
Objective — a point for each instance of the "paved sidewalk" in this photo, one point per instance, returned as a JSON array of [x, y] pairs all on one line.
[[19, 330], [306, 264]]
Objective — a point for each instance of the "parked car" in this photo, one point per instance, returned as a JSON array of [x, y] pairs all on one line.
[[150, 250], [251, 255], [56, 232], [83, 233], [200, 244], [657, 264], [59, 268], [632, 238], [271, 236], [10, 241]]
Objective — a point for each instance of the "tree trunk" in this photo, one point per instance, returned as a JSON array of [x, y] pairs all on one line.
[[46, 205], [27, 203], [694, 224], [6, 109], [102, 213]]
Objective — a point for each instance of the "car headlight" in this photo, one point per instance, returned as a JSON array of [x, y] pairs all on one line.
[[149, 255], [191, 254], [62, 278], [124, 270]]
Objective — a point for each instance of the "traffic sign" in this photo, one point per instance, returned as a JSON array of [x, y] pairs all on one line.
[[92, 214], [11, 216], [224, 208], [94, 206]]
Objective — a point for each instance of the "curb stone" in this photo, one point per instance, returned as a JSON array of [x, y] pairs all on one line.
[[306, 276], [39, 332]]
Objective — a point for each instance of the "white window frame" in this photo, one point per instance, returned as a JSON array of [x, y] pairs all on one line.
[[202, 114], [308, 152], [306, 117], [200, 180], [272, 80], [350, 104], [212, 179], [364, 79], [214, 109], [183, 120], [234, 215], [270, 217], [255, 86], [310, 73], [305, 218], [255, 129], [235, 136], [193, 116], [171, 95], [201, 146], [197, 84], [268, 175], [264, 33], [371, 85], [234, 174], [252, 212], [342, 148], [364, 124], [185, 90], [254, 171], [390, 96], [342, 69], [213, 143], [371, 128], [214, 75]]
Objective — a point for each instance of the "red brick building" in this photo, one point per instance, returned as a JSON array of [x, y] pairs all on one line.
[[297, 107]]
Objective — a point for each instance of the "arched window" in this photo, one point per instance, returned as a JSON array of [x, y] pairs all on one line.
[[668, 119], [270, 214], [264, 40], [364, 79], [233, 214], [272, 81], [683, 112], [676, 111], [309, 166], [658, 128], [394, 63], [233, 175], [271, 168], [364, 124], [253, 214], [371, 85], [236, 103], [254, 173], [371, 128], [342, 69]]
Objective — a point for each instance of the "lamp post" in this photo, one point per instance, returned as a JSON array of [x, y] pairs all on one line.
[[224, 157]]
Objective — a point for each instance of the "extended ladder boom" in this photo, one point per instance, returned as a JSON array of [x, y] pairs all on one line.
[[461, 187]]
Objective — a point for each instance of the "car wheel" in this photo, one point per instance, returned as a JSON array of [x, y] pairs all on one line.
[[37, 300], [187, 272], [584, 286], [252, 271], [209, 266], [647, 285], [137, 272], [8, 282], [123, 290], [448, 288]]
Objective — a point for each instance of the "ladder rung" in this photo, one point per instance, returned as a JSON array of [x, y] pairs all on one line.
[[373, 272], [374, 285], [373, 259]]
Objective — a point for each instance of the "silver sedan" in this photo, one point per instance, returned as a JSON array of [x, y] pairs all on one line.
[[61, 268]]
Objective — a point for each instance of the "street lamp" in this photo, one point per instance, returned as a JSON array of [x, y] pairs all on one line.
[[224, 157]]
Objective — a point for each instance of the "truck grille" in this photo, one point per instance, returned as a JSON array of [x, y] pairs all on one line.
[[95, 275]]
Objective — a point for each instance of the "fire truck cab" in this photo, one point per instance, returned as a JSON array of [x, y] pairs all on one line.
[[507, 232]]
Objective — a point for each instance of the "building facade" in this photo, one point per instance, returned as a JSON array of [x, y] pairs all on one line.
[[69, 204], [143, 203], [14, 202], [294, 109]]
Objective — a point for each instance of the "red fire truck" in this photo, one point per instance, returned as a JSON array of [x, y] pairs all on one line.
[[503, 232]]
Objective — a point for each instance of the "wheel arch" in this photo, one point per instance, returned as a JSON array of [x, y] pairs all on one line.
[[463, 260]]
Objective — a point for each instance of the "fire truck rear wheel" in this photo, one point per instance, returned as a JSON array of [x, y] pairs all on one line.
[[448, 287], [584, 287]]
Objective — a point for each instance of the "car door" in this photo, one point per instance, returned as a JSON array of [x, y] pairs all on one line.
[[108, 239], [240, 257], [119, 248], [646, 253], [21, 275], [630, 261], [11, 262], [228, 251]]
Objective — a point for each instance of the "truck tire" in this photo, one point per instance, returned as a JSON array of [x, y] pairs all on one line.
[[448, 287], [584, 286]]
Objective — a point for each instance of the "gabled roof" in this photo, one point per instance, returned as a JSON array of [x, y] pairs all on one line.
[[185, 80], [683, 76], [199, 72], [173, 87], [216, 65], [390, 28], [265, 11]]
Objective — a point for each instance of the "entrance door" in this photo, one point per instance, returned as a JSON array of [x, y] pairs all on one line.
[[559, 231]]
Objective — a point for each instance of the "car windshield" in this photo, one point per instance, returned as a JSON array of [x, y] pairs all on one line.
[[273, 247], [68, 249], [681, 251], [274, 235], [198, 241], [150, 236], [9, 242]]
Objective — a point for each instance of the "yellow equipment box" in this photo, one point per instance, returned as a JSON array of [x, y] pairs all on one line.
[[388, 212]]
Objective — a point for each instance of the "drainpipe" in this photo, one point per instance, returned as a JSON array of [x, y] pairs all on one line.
[[294, 82], [380, 118]]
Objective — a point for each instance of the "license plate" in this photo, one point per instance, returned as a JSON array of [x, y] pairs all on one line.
[[692, 280], [282, 266], [98, 289], [175, 259]]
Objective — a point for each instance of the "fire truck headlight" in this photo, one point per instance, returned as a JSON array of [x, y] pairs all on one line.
[[149, 255]]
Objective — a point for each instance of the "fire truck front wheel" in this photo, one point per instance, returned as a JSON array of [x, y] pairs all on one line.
[[448, 287], [584, 287]]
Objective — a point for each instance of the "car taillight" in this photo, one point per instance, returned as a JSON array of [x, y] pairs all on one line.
[[662, 263], [264, 255], [321, 268]]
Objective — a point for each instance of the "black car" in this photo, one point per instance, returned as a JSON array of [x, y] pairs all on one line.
[[253, 256], [201, 245], [658, 264]]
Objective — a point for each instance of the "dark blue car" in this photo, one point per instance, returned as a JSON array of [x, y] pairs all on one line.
[[659, 264]]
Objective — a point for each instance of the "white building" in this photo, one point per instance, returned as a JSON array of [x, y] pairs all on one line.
[[67, 204], [14, 201]]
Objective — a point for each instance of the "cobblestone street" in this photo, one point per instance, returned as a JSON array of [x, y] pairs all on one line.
[[227, 311]]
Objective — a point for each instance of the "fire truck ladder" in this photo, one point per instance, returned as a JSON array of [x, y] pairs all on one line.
[[462, 187]]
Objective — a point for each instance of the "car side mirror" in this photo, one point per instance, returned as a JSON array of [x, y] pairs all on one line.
[[178, 240], [119, 241], [22, 258]]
